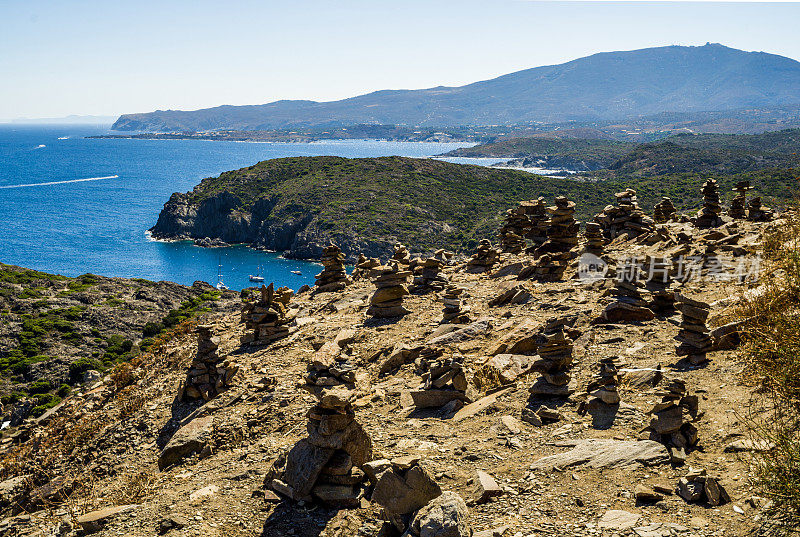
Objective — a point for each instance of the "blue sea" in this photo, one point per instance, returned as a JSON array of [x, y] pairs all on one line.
[[71, 205]]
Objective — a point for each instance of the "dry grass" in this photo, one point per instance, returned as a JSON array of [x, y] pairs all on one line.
[[771, 348]]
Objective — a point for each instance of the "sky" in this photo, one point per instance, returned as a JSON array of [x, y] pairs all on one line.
[[65, 57]]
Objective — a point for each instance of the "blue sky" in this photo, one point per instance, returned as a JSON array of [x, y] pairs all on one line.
[[108, 58]]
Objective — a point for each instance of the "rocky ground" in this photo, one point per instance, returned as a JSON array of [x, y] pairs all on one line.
[[99, 454]]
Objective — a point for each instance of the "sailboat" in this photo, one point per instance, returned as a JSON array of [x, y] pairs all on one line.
[[258, 277], [220, 284]]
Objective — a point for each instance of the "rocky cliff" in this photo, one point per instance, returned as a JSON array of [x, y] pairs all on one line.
[[299, 205]]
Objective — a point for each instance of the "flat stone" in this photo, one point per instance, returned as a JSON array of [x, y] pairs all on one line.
[[338, 496], [616, 520], [431, 398], [210, 490], [474, 330], [95, 520], [748, 444], [604, 453], [478, 406]]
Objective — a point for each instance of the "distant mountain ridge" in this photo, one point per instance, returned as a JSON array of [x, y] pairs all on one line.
[[604, 86]]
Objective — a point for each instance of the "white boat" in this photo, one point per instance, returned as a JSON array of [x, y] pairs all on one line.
[[220, 284], [296, 272], [258, 277]]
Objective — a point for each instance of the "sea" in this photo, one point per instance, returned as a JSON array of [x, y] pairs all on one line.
[[73, 205]]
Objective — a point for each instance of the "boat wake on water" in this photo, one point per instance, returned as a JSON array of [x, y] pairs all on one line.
[[62, 182]]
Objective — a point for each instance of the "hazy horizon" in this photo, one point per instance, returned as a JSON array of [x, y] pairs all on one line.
[[107, 60]]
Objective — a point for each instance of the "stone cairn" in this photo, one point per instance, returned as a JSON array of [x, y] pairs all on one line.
[[628, 304], [484, 258], [514, 229], [536, 211], [737, 209], [562, 236], [603, 390], [454, 309], [658, 273], [267, 318], [326, 465], [387, 301], [757, 212], [624, 218], [555, 360], [401, 254], [209, 374], [694, 338], [444, 380], [429, 275], [329, 368], [697, 486], [672, 420], [663, 211], [594, 239], [333, 276], [364, 266], [709, 213]]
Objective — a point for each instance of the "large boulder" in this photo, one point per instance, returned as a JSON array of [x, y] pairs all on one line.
[[444, 516], [190, 439]]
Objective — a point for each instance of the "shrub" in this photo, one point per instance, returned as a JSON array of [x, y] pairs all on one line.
[[64, 390], [40, 386], [152, 329], [81, 365], [771, 348]]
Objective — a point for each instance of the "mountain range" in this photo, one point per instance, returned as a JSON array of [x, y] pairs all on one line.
[[604, 86]]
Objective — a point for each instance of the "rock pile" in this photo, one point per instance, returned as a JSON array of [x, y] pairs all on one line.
[[329, 367], [364, 266], [757, 212], [209, 374], [326, 466], [401, 254], [443, 380], [628, 304], [484, 258], [737, 209], [562, 233], [454, 309], [429, 273], [624, 218], [268, 317], [663, 211], [562, 236], [594, 238], [603, 390], [657, 272], [694, 337], [709, 213], [672, 420], [555, 359], [387, 301], [333, 276], [536, 211], [515, 227], [697, 486]]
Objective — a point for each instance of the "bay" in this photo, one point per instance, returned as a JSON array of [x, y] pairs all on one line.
[[73, 205]]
